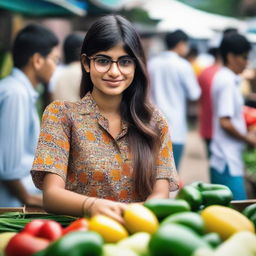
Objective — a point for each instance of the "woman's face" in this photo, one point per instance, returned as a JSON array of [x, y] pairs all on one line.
[[110, 78]]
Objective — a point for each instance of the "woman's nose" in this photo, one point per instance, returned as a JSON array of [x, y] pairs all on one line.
[[114, 69]]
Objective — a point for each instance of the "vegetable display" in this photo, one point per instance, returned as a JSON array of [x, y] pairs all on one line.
[[199, 222]]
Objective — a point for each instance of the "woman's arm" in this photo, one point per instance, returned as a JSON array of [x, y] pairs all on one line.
[[160, 189], [226, 124], [57, 199]]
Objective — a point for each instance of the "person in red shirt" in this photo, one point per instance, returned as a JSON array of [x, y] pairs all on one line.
[[205, 114]]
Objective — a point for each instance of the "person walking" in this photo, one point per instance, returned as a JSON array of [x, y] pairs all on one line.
[[35, 54], [67, 83], [173, 82], [205, 80], [229, 129]]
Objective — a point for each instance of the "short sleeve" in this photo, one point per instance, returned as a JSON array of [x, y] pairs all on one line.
[[52, 151], [192, 88], [165, 163], [225, 101]]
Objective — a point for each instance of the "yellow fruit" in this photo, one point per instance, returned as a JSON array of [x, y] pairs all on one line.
[[225, 221], [138, 218], [5, 238], [109, 229]]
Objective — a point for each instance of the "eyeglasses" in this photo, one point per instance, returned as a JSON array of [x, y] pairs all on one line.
[[103, 64]]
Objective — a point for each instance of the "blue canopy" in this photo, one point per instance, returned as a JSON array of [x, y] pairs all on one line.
[[46, 7]]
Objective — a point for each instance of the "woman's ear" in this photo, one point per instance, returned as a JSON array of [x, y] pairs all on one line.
[[85, 63]]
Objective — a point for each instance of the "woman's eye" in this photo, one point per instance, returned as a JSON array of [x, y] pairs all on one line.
[[125, 62], [102, 61]]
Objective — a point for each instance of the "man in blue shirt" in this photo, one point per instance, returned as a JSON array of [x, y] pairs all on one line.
[[35, 55]]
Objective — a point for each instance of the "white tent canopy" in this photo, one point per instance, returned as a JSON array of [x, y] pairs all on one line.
[[198, 24]]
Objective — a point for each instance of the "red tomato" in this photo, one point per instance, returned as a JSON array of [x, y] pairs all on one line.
[[77, 225], [51, 230], [34, 226], [24, 244]]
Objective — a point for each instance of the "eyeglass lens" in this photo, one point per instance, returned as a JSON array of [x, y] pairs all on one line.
[[103, 64]]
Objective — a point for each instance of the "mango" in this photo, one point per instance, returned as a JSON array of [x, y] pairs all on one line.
[[225, 221], [138, 218], [111, 230]]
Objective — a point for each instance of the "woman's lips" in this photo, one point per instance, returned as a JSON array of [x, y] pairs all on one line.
[[113, 83]]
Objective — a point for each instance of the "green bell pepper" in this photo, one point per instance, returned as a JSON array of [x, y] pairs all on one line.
[[175, 240], [77, 243], [214, 193], [200, 195], [250, 213], [189, 219], [165, 207], [192, 196]]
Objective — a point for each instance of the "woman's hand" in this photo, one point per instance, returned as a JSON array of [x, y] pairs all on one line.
[[106, 207]]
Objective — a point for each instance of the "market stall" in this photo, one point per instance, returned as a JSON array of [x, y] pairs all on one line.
[[202, 220]]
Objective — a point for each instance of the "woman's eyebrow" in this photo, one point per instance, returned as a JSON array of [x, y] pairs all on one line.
[[107, 56]]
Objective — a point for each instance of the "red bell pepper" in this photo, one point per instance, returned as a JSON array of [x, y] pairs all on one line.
[[77, 225], [33, 226], [50, 230], [35, 237], [24, 244]]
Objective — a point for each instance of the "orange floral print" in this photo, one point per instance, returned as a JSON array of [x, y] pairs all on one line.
[[98, 176], [165, 152], [83, 177], [90, 136], [106, 138], [115, 174]]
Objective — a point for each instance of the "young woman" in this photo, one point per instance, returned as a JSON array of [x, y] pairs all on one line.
[[111, 147]]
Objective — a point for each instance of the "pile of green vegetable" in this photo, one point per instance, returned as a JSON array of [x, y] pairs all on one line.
[[15, 221], [199, 222], [249, 157]]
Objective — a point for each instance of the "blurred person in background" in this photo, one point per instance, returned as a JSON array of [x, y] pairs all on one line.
[[229, 129], [67, 84], [192, 56], [173, 82], [205, 104], [35, 55]]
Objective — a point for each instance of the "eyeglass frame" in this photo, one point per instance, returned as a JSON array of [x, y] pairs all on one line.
[[112, 61]]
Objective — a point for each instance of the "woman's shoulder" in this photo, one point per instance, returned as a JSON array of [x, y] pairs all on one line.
[[158, 117], [60, 109], [63, 105]]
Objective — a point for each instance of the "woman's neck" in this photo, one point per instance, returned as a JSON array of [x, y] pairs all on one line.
[[107, 104]]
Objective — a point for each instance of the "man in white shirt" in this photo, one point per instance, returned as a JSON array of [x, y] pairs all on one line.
[[173, 83], [229, 129], [35, 55], [67, 82]]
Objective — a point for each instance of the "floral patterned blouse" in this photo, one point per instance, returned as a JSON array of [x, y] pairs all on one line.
[[75, 144]]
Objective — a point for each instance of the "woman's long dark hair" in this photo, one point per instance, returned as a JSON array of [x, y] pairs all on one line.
[[143, 135]]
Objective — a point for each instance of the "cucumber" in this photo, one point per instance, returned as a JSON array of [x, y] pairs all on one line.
[[165, 207]]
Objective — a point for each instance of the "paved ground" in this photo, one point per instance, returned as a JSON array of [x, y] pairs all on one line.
[[194, 165]]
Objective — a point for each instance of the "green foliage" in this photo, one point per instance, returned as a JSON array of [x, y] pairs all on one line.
[[138, 15], [249, 157], [222, 7]]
